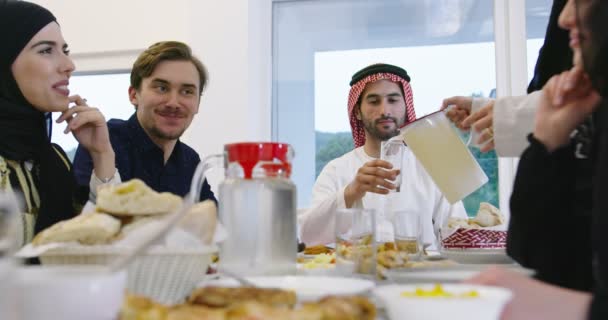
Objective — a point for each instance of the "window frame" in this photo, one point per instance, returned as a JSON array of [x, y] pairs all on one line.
[[511, 75]]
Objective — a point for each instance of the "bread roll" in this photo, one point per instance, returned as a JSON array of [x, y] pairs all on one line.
[[88, 228], [136, 223], [201, 221], [190, 312], [135, 198], [488, 216], [142, 308], [454, 222]]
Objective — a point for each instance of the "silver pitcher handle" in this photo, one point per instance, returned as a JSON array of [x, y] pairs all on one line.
[[209, 162]]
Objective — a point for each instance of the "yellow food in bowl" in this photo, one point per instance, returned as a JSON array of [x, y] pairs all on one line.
[[323, 260], [438, 292]]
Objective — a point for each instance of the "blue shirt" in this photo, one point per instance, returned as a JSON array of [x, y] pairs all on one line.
[[138, 157]]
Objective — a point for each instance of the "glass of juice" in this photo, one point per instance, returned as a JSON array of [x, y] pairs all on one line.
[[355, 245]]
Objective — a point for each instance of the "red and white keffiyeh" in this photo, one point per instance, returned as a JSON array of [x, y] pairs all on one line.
[[357, 128]]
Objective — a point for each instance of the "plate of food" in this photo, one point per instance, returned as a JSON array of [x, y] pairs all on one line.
[[444, 274], [312, 251], [248, 303], [478, 256], [307, 288], [321, 264]]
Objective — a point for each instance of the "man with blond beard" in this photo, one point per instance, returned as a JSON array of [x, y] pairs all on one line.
[[166, 86]]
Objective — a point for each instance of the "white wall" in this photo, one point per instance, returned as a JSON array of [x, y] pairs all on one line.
[[231, 37]]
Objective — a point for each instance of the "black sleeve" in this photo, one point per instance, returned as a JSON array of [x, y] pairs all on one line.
[[599, 306], [80, 195], [541, 204], [206, 193], [83, 166]]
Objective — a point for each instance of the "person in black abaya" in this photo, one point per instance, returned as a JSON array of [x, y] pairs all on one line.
[[35, 69]]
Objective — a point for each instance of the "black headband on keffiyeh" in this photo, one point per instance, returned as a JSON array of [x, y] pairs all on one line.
[[371, 74], [23, 128]]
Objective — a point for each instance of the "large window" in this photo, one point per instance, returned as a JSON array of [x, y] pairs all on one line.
[[434, 76], [447, 46], [108, 92]]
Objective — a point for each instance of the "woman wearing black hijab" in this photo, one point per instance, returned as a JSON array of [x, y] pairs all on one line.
[[34, 77], [546, 177]]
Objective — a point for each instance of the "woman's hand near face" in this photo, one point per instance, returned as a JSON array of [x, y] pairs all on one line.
[[89, 127], [567, 99]]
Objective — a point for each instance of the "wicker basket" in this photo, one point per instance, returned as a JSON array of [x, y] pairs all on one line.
[[163, 274]]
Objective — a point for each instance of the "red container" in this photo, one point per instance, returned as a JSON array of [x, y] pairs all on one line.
[[278, 157]]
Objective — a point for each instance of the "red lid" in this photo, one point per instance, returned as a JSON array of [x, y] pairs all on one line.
[[248, 154]]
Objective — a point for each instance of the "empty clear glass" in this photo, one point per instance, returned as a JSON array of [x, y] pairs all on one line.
[[392, 151]]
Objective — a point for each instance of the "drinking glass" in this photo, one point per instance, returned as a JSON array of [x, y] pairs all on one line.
[[355, 245], [408, 233], [392, 152]]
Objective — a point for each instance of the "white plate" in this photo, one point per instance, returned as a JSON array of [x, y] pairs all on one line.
[[448, 274], [487, 306], [478, 256], [307, 288]]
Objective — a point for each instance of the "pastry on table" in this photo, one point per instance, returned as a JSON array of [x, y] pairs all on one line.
[[338, 308], [192, 312], [134, 198], [488, 216], [328, 308], [142, 308], [318, 249], [88, 228], [221, 297], [201, 220]]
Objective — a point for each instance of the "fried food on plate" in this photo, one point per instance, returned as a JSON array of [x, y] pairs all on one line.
[[221, 297]]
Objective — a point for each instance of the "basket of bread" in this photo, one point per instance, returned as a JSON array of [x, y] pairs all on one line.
[[124, 214], [485, 230], [482, 239]]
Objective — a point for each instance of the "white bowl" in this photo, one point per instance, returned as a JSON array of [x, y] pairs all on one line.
[[70, 293], [487, 306]]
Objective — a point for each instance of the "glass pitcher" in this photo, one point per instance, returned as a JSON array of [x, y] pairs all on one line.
[[444, 156], [257, 206]]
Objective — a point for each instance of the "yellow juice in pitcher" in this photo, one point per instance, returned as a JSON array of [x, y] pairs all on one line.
[[444, 156]]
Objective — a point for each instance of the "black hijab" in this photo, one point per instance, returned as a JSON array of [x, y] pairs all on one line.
[[555, 55], [23, 130]]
